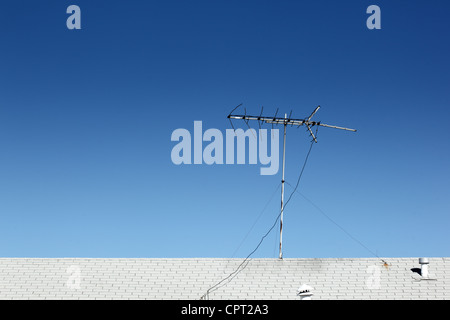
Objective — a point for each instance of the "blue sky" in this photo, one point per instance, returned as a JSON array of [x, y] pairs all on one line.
[[86, 118]]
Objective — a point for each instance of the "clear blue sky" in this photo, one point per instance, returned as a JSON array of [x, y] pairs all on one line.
[[86, 118]]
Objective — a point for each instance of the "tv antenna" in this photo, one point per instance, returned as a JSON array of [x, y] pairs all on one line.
[[285, 121]]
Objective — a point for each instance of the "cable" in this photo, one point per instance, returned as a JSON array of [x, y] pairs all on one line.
[[335, 223], [254, 223], [257, 219], [245, 262]]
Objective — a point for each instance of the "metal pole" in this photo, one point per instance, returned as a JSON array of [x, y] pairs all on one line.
[[285, 121], [282, 190]]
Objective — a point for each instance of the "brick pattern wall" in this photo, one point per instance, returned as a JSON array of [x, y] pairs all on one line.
[[190, 278]]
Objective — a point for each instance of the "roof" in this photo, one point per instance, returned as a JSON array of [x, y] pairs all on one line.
[[190, 278]]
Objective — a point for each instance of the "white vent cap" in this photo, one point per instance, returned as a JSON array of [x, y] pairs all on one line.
[[305, 290]]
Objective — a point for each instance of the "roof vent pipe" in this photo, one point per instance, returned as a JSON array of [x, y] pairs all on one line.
[[424, 267]]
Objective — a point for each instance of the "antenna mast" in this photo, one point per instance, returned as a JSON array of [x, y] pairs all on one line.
[[285, 121]]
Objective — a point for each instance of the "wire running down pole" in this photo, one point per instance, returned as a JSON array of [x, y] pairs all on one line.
[[285, 122], [282, 191]]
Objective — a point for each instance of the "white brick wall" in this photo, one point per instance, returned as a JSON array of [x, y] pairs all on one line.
[[80, 278]]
